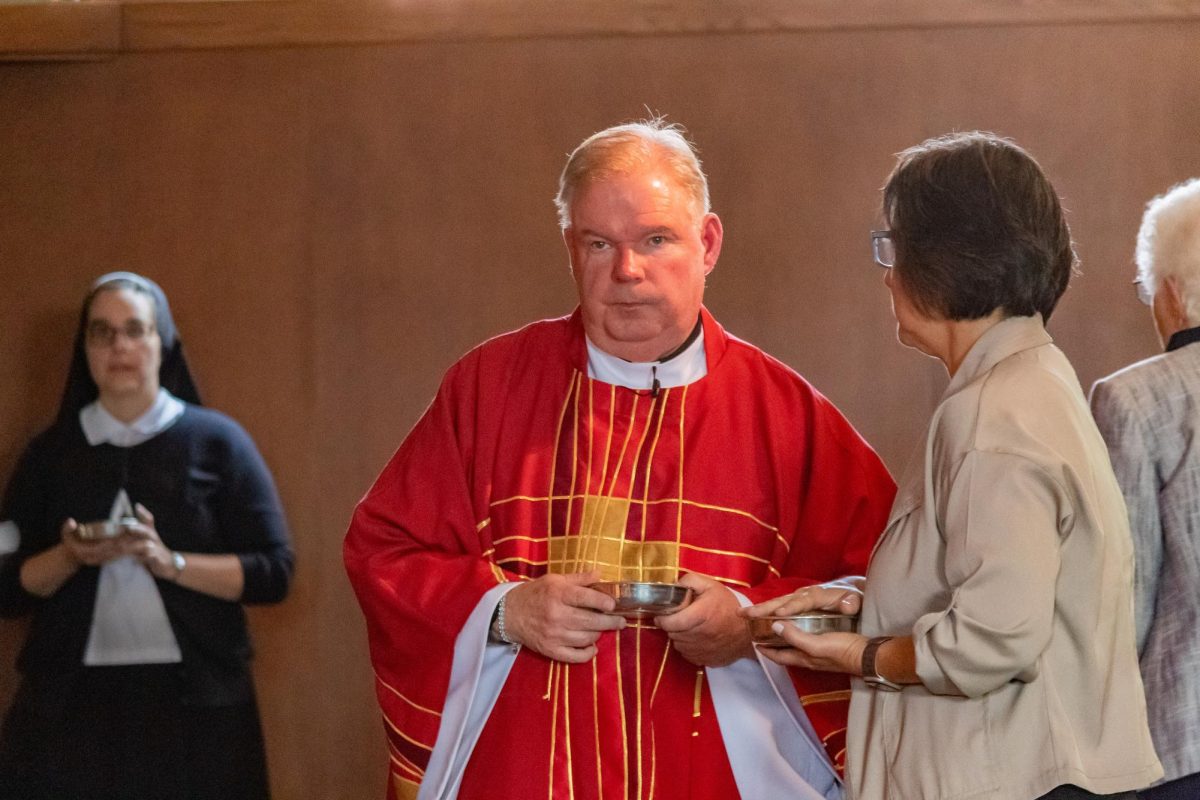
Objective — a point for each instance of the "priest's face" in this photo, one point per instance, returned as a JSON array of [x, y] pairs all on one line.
[[123, 348], [640, 251]]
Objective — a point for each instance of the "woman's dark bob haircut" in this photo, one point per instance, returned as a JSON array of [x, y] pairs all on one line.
[[977, 227]]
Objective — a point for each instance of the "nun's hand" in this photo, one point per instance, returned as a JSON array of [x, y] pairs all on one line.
[[88, 552], [143, 543]]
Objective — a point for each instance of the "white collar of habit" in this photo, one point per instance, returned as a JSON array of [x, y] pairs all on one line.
[[101, 427]]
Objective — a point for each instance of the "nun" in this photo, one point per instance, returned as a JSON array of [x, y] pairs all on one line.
[[143, 522]]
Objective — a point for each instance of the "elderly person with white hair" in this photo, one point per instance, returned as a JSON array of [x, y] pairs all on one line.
[[1149, 414]]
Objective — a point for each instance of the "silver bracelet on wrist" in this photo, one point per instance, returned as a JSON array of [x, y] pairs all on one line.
[[498, 624]]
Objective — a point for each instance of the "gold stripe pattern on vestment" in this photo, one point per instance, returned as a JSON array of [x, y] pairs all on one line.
[[825, 697], [405, 789], [395, 728], [394, 691]]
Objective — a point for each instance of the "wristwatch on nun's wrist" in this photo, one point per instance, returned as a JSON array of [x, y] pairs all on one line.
[[870, 673], [179, 562]]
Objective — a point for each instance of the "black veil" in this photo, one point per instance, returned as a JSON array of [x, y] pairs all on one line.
[[173, 373]]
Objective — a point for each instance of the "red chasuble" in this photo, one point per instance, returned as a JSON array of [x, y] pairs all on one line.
[[524, 465]]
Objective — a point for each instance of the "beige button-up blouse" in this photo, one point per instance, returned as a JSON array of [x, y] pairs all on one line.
[[1007, 558]]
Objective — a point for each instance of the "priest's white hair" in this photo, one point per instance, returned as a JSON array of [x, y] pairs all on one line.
[[622, 148]]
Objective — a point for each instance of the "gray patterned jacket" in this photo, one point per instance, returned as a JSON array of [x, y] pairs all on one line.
[[1149, 414]]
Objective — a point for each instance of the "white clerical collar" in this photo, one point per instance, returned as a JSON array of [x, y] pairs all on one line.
[[101, 427], [688, 366]]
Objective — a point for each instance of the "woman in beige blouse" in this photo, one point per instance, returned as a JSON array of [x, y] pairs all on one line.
[[996, 651]]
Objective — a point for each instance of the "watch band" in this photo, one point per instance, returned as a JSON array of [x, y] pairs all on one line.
[[179, 562], [870, 673]]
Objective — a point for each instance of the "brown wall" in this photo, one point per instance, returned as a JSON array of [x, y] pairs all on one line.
[[335, 225]]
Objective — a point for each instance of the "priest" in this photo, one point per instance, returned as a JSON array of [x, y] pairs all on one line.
[[634, 439]]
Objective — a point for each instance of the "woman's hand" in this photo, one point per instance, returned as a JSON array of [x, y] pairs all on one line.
[[88, 552], [826, 652], [835, 598], [42, 575], [216, 574], [143, 543]]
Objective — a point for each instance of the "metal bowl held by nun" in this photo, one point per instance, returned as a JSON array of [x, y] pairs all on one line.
[[104, 529], [645, 599], [811, 622]]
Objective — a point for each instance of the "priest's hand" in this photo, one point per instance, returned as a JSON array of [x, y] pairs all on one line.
[[708, 632], [560, 616]]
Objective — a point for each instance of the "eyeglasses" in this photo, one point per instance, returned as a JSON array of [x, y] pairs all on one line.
[[1143, 291], [884, 248], [101, 334]]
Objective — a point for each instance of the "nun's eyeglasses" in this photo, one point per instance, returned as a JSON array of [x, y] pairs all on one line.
[[101, 334]]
